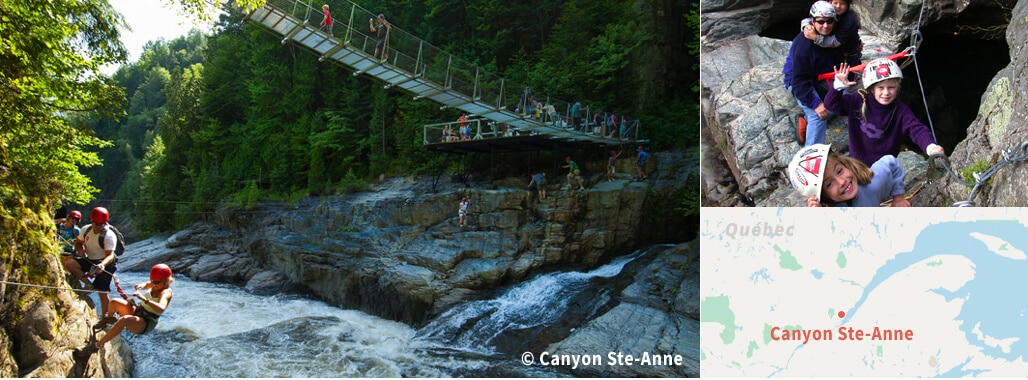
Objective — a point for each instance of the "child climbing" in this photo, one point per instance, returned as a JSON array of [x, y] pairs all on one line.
[[877, 126], [828, 179]]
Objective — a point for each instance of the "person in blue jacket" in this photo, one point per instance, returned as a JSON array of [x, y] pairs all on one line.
[[640, 162], [844, 36], [805, 62]]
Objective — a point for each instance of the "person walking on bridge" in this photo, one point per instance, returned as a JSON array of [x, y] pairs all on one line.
[[326, 22], [526, 99], [576, 116], [381, 30]]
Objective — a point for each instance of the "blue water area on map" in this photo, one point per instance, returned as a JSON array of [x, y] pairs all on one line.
[[761, 275], [996, 298], [817, 274]]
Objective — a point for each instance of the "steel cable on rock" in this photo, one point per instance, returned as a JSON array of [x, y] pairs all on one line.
[[942, 165]]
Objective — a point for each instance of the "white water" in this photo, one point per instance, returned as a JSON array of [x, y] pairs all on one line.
[[474, 326], [218, 330]]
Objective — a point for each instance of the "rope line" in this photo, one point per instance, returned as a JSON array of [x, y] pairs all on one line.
[[1015, 155], [50, 287]]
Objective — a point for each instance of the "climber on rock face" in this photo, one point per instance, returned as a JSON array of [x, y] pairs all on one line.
[[878, 122], [139, 319]]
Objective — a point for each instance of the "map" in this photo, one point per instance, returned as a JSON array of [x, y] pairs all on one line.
[[837, 292]]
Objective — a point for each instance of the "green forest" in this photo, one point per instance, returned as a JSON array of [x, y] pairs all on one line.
[[236, 116]]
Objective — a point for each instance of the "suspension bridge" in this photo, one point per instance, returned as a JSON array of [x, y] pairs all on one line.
[[499, 118]]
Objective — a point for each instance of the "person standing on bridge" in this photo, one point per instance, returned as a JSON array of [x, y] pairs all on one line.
[[526, 97], [612, 124], [465, 128], [381, 30], [326, 22], [576, 116]]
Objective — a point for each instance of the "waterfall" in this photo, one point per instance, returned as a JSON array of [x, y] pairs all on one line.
[[477, 326], [220, 330]]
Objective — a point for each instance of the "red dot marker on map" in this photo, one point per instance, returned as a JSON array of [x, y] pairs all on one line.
[[842, 314]]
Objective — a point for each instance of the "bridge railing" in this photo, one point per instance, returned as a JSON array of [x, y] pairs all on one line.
[[410, 54], [479, 129]]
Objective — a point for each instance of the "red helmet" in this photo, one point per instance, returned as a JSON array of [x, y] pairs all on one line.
[[99, 215], [640, 148], [160, 272], [75, 214], [464, 199], [567, 159]]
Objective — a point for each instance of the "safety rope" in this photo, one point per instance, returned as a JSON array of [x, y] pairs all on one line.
[[50, 287], [888, 203], [114, 277], [915, 41], [941, 164]]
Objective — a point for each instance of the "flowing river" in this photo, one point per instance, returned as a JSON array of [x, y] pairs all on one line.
[[219, 330]]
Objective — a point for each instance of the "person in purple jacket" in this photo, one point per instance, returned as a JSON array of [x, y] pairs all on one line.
[[805, 62], [878, 123]]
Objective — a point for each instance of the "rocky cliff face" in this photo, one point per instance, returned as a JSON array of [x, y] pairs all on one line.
[[42, 319], [396, 252], [750, 119], [999, 134], [399, 252]]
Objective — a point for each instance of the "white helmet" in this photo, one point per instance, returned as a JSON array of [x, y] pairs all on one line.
[[822, 9], [807, 169], [879, 70]]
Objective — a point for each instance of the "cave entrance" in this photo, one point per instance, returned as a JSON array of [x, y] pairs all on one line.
[[956, 71]]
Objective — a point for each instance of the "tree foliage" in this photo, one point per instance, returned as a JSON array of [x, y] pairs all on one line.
[[237, 114], [50, 86]]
